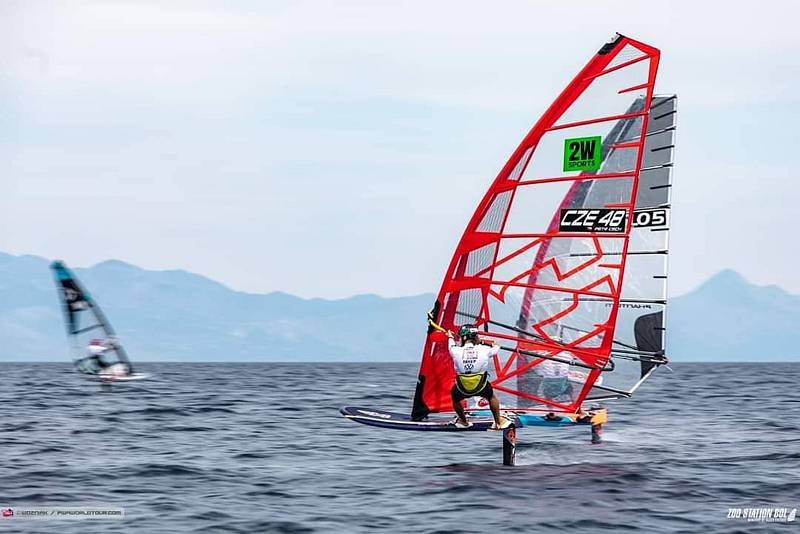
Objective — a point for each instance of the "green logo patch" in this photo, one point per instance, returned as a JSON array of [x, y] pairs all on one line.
[[582, 153]]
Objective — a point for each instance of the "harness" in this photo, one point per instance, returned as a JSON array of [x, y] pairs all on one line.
[[471, 383]]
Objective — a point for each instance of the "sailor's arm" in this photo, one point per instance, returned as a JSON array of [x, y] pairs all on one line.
[[494, 348], [451, 342], [450, 339]]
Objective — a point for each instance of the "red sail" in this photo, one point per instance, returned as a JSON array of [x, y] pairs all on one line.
[[540, 265]]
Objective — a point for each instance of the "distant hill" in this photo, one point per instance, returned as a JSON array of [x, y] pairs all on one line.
[[730, 319], [180, 316]]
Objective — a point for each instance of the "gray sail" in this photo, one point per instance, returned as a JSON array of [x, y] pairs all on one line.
[[639, 335]]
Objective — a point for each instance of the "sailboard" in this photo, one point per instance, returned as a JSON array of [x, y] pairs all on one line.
[[95, 349], [564, 262]]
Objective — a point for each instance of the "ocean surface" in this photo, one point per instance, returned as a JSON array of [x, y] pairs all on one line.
[[262, 448]]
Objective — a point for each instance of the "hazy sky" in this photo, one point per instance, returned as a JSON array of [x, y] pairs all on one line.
[[332, 148]]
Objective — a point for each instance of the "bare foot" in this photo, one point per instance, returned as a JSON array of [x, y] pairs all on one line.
[[505, 422], [461, 423]]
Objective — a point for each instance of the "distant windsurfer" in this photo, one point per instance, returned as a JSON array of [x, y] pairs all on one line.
[[471, 361], [94, 360], [554, 373]]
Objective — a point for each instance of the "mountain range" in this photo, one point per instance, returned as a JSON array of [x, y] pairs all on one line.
[[180, 316]]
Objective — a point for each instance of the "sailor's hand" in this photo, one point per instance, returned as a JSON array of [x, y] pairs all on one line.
[[449, 334]]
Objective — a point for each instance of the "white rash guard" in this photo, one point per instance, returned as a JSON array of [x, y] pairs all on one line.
[[471, 359], [95, 349], [552, 369]]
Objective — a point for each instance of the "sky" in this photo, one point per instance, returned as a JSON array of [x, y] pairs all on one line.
[[331, 148]]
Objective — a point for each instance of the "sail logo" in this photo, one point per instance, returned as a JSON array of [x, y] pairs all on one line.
[[74, 300], [582, 153], [8, 512], [630, 306], [598, 220], [764, 515], [650, 217], [375, 414]]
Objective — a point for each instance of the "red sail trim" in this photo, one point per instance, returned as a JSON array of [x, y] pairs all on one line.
[[511, 359], [595, 121], [634, 88], [521, 250], [586, 355], [556, 233], [621, 65], [559, 406], [609, 175], [632, 144], [460, 292], [582, 291]]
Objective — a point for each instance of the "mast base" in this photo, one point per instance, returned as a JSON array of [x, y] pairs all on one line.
[[597, 434], [598, 417], [510, 446]]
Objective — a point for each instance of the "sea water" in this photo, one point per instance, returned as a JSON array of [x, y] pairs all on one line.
[[262, 448]]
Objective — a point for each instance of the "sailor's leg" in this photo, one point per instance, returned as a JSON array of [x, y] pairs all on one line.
[[494, 405], [457, 407], [460, 412]]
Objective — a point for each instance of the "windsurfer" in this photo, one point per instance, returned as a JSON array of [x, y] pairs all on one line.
[[94, 356], [94, 359], [554, 374], [471, 361]]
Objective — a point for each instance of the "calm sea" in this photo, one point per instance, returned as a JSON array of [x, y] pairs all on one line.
[[261, 448]]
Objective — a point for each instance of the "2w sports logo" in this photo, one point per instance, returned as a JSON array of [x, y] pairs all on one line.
[[582, 153]]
